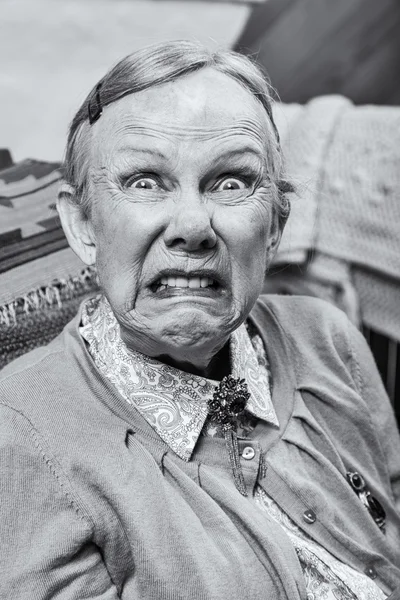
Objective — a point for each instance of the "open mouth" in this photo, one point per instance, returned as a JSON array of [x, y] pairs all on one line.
[[179, 283]]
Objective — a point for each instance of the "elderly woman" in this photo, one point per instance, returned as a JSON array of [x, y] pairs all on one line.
[[185, 437]]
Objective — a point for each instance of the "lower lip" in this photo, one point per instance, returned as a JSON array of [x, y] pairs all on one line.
[[177, 292]]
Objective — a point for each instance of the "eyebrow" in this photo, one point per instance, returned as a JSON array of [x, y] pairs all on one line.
[[240, 152], [131, 150]]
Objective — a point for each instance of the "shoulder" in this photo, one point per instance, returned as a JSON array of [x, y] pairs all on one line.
[[32, 359], [304, 315], [317, 335], [40, 374]]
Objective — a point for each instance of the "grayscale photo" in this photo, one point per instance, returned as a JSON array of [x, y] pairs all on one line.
[[199, 300]]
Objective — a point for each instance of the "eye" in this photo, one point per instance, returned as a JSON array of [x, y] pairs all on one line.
[[230, 183], [143, 183]]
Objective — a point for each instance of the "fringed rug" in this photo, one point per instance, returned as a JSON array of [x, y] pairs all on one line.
[[36, 318]]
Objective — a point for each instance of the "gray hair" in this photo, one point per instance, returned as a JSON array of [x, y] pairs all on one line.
[[153, 66]]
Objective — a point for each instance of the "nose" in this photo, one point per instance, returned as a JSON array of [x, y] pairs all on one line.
[[190, 228]]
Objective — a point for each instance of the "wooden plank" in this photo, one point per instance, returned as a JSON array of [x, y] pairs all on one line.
[[304, 63], [219, 1], [376, 76], [358, 39], [366, 75], [336, 61], [298, 35], [375, 80], [261, 19]]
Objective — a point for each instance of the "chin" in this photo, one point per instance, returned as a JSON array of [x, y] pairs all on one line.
[[191, 326], [180, 329]]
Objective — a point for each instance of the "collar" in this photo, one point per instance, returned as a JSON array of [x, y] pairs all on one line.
[[173, 402]]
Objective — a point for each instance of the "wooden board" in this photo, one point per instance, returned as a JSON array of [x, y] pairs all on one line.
[[314, 47]]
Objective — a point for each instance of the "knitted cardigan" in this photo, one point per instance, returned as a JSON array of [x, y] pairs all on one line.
[[95, 505]]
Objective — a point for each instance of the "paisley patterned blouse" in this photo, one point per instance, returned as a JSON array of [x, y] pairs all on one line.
[[175, 405]]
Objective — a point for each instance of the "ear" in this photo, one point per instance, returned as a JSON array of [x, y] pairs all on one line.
[[275, 234], [76, 225]]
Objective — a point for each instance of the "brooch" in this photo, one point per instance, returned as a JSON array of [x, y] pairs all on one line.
[[228, 402], [373, 505]]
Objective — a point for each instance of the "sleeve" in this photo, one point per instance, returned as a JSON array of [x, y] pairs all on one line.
[[46, 539], [372, 390]]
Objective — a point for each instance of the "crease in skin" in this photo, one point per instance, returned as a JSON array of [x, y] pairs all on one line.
[[261, 188], [129, 161], [174, 135], [154, 128], [125, 160]]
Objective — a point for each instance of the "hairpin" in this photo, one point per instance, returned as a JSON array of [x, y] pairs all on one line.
[[228, 402], [94, 112], [285, 187]]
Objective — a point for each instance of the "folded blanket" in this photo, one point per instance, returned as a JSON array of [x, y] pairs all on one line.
[[345, 162], [305, 145], [359, 200]]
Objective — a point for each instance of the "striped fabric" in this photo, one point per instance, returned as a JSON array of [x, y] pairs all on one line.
[[42, 282]]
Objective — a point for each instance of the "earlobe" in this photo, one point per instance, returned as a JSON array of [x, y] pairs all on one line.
[[76, 225]]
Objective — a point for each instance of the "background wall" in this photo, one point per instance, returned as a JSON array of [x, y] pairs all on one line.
[[53, 51]]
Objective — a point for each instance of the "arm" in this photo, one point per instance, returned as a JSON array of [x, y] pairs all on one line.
[[371, 389], [46, 537]]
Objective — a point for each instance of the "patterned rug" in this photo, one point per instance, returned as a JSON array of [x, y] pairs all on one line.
[[41, 281]]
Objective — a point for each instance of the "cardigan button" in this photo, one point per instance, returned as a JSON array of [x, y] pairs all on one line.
[[248, 453], [370, 572], [309, 516]]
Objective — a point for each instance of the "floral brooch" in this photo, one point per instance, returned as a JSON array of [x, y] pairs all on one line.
[[228, 402]]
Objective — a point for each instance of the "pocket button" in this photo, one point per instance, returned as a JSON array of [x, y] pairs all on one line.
[[309, 517], [370, 572]]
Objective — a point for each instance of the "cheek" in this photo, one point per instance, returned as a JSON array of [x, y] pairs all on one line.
[[248, 229], [123, 237], [245, 232]]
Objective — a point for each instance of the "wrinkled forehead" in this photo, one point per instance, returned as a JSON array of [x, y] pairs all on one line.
[[201, 109]]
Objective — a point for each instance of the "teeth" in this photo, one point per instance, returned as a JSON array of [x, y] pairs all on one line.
[[184, 282], [194, 282]]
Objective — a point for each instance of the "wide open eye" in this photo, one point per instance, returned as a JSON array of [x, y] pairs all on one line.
[[230, 184], [143, 183]]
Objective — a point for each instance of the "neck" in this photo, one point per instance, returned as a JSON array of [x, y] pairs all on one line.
[[217, 368]]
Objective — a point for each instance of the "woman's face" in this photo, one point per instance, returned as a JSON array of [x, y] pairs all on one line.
[[182, 222]]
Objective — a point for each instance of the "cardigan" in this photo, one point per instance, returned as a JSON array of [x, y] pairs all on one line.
[[95, 505], [174, 403]]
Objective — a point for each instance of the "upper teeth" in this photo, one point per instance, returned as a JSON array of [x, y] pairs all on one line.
[[184, 282]]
